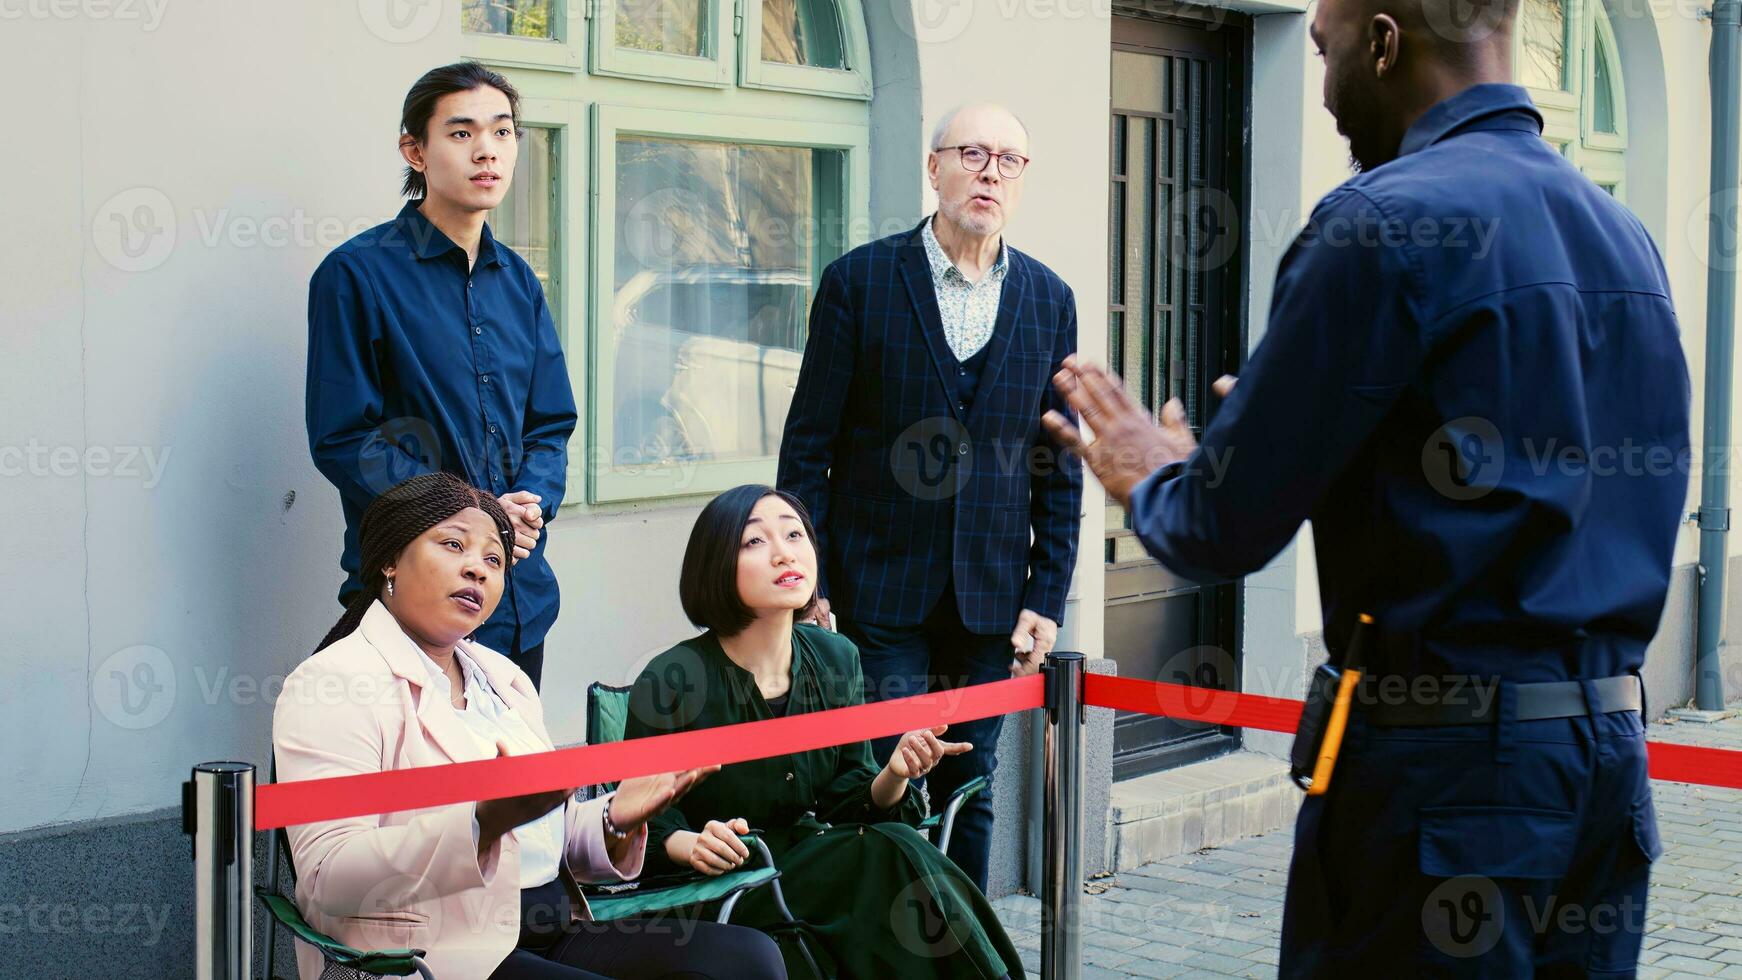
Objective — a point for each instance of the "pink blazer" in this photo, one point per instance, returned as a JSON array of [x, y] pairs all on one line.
[[411, 879]]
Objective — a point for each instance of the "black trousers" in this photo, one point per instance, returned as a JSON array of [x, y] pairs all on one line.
[[1513, 850], [659, 947]]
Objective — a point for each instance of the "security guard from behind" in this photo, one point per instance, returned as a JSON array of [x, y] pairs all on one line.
[[1472, 384]]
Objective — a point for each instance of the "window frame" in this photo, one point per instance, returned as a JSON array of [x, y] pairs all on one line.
[[1617, 140], [1567, 115], [571, 134], [1566, 98], [563, 52], [852, 82], [610, 483], [606, 58]]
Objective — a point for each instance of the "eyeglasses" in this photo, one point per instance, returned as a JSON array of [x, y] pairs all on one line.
[[976, 158]]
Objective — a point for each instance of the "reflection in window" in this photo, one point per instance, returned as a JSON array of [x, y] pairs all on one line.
[[1544, 26], [517, 18], [1603, 98], [668, 26], [802, 32], [524, 219], [717, 246]]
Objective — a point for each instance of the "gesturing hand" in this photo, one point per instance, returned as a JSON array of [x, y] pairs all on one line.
[[717, 849], [498, 817], [1129, 444], [919, 752], [640, 799]]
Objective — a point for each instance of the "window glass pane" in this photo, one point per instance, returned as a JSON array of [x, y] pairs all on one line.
[[1603, 95], [717, 247], [669, 26], [1544, 26], [519, 18], [524, 219], [802, 32]]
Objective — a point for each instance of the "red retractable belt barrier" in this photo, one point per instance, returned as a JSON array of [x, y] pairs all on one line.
[[306, 801]]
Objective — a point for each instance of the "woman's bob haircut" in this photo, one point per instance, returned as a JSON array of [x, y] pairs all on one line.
[[708, 585]]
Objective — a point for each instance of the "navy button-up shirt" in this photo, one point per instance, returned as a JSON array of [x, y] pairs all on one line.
[[416, 364], [1473, 384]]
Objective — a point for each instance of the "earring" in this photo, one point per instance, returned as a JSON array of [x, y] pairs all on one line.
[[389, 588]]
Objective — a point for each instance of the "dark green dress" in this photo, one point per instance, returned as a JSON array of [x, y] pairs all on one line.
[[874, 893]]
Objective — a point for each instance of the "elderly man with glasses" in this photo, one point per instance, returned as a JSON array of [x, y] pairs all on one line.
[[947, 523]]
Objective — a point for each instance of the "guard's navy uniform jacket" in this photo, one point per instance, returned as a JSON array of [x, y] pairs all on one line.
[[1472, 383]]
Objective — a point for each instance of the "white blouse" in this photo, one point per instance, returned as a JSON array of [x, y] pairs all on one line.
[[489, 719]]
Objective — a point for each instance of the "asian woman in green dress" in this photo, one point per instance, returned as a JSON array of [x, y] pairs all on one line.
[[873, 894]]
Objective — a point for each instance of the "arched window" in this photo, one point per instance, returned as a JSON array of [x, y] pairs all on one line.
[[1568, 59], [691, 166]]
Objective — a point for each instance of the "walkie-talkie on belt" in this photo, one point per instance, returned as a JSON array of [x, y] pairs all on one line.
[[1326, 715]]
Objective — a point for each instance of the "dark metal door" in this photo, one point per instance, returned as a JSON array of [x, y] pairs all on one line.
[[1175, 297]]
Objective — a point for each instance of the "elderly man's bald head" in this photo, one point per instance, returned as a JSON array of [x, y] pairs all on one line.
[[1388, 61]]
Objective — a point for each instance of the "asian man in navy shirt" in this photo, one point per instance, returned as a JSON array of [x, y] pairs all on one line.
[[431, 348]]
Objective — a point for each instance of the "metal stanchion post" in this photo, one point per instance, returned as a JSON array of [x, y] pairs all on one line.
[[218, 810], [1061, 938]]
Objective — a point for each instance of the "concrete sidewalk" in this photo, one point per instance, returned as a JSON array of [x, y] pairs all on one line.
[[1218, 912]]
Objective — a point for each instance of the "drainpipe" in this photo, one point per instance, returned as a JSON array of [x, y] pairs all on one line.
[[1721, 258]]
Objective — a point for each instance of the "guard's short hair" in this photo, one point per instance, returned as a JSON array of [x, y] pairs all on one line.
[[708, 584]]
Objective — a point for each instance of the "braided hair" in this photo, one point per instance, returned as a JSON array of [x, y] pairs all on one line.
[[395, 519]]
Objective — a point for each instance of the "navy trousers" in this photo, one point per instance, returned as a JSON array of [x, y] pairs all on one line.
[[941, 654], [1513, 850]]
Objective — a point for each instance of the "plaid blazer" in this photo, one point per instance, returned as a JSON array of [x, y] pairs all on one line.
[[902, 485]]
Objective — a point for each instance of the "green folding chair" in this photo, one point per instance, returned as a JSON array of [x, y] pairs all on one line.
[[607, 719], [341, 962]]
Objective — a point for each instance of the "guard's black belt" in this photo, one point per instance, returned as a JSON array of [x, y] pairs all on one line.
[[1476, 701]]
